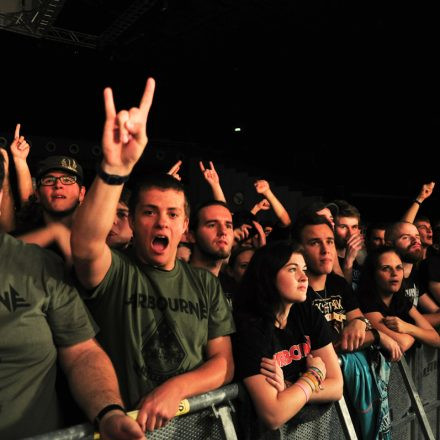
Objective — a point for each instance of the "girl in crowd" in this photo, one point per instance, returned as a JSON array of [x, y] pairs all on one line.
[[384, 303], [277, 327]]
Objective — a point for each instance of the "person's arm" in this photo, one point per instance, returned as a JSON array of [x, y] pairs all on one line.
[[354, 244], [94, 385], [262, 205], [161, 405], [424, 193], [53, 232], [434, 289], [429, 309], [123, 142], [7, 208], [20, 151], [211, 176], [262, 187], [353, 334], [276, 405], [422, 330], [405, 341]]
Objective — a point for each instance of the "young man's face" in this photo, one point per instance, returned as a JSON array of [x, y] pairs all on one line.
[[376, 239], [215, 234], [407, 243], [120, 233], [60, 198], [319, 248], [345, 227], [158, 223], [425, 231]]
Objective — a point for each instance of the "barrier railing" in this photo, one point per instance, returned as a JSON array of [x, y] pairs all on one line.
[[413, 397]]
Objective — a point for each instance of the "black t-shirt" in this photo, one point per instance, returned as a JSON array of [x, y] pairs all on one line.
[[306, 330], [355, 274], [400, 306], [334, 302], [411, 286]]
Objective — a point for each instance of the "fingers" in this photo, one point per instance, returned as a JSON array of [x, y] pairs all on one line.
[[17, 131], [121, 119], [202, 167], [175, 167], [109, 104], [147, 97], [211, 165]]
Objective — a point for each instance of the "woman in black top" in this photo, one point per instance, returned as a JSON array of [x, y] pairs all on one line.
[[384, 303], [277, 327]]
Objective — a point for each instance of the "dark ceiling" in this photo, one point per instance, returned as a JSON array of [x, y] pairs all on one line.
[[326, 93]]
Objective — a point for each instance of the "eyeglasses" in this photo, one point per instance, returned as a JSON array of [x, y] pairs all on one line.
[[52, 180]]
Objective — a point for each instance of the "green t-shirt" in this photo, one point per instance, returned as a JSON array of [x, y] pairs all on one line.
[[38, 312], [155, 324]]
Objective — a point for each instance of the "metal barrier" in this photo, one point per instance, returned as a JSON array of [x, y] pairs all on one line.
[[413, 396]]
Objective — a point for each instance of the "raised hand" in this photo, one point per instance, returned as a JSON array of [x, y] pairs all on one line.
[[19, 146], [262, 186], [125, 133], [210, 174], [174, 170], [426, 191]]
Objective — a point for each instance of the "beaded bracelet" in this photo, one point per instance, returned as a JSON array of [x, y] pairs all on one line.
[[320, 373], [318, 378], [309, 377]]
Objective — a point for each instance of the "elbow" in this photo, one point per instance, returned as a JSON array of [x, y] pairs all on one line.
[[406, 345], [272, 421], [230, 370]]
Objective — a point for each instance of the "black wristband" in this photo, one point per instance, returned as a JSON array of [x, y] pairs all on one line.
[[104, 411], [416, 201], [376, 336], [112, 179]]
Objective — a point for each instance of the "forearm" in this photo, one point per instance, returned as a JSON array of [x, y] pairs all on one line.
[[332, 391], [92, 379], [217, 192], [411, 214], [213, 374], [7, 209], [433, 318], [24, 180], [426, 336], [278, 208], [93, 220]]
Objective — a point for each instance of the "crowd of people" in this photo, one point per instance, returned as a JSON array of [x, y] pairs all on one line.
[[140, 304]]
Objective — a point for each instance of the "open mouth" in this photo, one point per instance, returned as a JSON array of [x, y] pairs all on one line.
[[160, 243]]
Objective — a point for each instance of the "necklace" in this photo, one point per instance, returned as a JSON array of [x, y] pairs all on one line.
[[323, 292]]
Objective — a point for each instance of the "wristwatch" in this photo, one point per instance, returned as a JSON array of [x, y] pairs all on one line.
[[112, 179], [104, 411], [366, 321]]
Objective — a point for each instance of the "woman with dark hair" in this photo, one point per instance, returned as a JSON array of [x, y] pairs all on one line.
[[384, 303], [277, 327]]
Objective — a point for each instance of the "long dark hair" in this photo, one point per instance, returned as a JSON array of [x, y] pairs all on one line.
[[258, 296], [367, 283]]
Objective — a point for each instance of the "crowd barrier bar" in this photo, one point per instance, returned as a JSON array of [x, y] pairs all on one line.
[[85, 431], [345, 419], [415, 399]]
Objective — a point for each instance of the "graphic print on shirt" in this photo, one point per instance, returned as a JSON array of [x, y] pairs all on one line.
[[12, 300], [295, 353], [162, 351], [333, 311]]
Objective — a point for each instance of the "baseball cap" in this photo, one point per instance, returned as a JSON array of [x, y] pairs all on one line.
[[61, 163]]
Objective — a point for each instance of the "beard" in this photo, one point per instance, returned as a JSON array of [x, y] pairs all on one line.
[[412, 257], [208, 252]]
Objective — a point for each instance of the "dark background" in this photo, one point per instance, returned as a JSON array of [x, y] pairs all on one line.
[[333, 98]]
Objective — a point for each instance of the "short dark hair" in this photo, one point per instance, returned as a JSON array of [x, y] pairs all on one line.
[[2, 170], [258, 296], [194, 221], [309, 219], [373, 227], [347, 210], [161, 181], [238, 251], [422, 218]]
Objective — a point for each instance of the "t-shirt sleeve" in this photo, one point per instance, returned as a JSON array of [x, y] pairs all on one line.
[[369, 305], [433, 264], [220, 321], [67, 315], [250, 344]]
